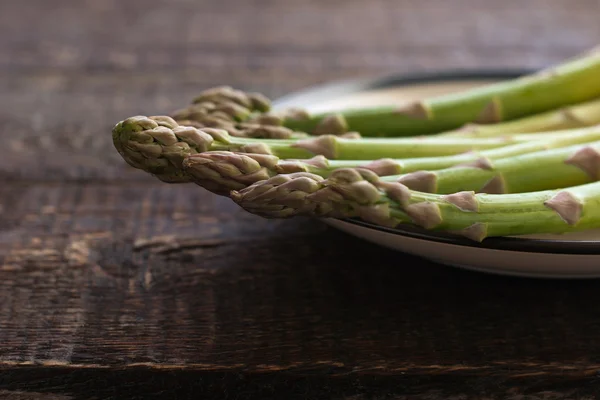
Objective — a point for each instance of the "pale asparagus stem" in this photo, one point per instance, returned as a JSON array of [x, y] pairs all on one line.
[[350, 193], [578, 115]]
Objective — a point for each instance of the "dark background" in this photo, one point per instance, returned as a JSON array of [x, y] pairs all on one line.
[[114, 285]]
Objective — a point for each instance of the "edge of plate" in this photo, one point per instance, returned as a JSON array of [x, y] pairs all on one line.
[[336, 89]]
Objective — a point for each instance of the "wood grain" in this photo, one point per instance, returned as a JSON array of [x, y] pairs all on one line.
[[115, 285]]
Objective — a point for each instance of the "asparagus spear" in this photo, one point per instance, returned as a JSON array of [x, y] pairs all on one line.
[[576, 116], [571, 82], [159, 144], [354, 193], [548, 169], [226, 108], [222, 171], [233, 111]]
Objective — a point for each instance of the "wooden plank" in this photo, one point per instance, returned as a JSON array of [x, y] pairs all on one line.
[[115, 284], [100, 274], [290, 36], [150, 383]]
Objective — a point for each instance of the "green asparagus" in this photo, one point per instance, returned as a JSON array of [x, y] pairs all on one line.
[[355, 193], [576, 116], [159, 145], [571, 82], [548, 169], [229, 170]]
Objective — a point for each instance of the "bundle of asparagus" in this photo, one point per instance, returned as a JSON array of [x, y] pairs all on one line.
[[520, 157]]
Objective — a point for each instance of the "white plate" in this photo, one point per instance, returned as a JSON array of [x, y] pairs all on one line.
[[574, 255]]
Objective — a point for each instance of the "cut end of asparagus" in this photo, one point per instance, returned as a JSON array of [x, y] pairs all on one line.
[[567, 206], [427, 215], [588, 160], [416, 110], [491, 113], [421, 181], [324, 145], [333, 124], [464, 201], [496, 185]]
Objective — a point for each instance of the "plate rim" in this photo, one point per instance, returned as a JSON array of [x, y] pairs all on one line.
[[334, 89]]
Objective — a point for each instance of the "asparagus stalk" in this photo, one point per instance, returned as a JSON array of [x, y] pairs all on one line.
[[159, 144], [548, 169], [223, 171], [236, 112], [571, 82], [570, 117], [354, 193]]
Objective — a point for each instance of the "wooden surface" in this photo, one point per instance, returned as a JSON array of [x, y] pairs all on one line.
[[114, 285]]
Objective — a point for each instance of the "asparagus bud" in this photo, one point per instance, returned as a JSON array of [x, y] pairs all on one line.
[[158, 145]]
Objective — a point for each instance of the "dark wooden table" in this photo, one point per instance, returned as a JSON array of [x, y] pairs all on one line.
[[114, 285]]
